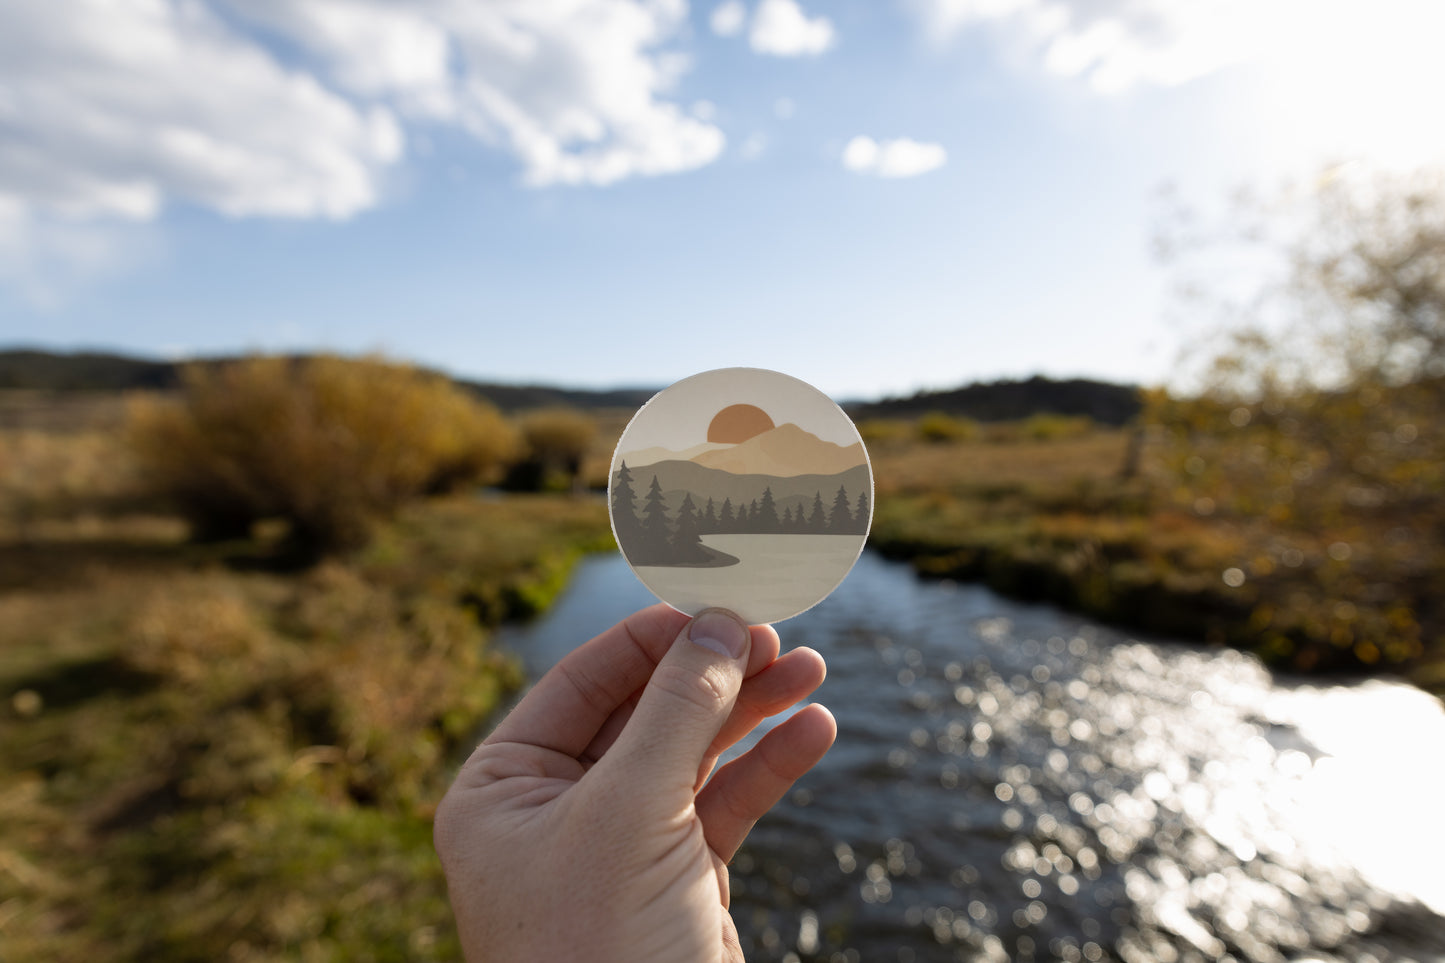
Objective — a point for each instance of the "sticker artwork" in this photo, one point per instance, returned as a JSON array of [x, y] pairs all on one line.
[[741, 488]]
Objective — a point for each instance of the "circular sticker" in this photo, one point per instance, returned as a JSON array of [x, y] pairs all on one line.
[[741, 488]]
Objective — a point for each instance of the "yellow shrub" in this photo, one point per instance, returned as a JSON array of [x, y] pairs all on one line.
[[326, 443], [938, 426]]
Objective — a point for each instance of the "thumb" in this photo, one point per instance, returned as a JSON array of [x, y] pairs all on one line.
[[683, 708]]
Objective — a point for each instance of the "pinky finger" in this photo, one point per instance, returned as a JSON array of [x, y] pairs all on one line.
[[743, 790]]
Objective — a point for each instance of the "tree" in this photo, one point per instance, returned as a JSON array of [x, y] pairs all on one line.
[[787, 522], [1317, 416], [860, 517], [725, 520], [767, 519], [624, 505], [818, 520], [656, 532], [709, 518], [840, 521], [685, 532]]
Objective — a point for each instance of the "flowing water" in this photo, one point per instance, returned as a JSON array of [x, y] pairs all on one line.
[[1014, 782]]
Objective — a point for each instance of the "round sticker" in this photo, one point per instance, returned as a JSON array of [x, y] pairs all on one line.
[[741, 488]]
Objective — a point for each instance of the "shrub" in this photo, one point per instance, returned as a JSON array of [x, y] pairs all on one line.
[[556, 441], [1047, 427], [326, 443], [937, 427], [880, 432]]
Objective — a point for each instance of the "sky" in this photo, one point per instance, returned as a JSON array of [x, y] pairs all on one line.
[[876, 196]]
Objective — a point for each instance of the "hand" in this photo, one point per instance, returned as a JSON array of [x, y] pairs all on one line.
[[586, 828]]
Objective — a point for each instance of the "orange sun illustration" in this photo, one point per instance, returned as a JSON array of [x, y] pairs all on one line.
[[738, 423]]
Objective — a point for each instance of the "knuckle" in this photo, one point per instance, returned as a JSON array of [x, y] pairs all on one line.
[[708, 690]]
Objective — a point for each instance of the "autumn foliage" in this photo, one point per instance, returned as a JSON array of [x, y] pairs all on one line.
[[325, 443]]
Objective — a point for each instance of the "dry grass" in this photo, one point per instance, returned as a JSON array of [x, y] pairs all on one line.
[[57, 412], [206, 754], [913, 468]]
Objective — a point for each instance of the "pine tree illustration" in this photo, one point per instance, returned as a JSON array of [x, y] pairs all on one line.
[[860, 518], [767, 520], [840, 522], [685, 532], [624, 506], [725, 520], [656, 532], [818, 521], [708, 522]]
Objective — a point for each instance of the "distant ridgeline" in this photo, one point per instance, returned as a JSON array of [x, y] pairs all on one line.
[[1105, 403], [30, 370], [662, 508], [83, 371]]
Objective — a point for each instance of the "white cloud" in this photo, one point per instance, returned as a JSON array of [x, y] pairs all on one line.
[[115, 109], [782, 29], [111, 108], [574, 88], [1358, 75], [903, 157], [728, 18], [1116, 44]]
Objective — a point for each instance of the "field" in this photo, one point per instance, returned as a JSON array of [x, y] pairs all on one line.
[[208, 753], [229, 750], [1102, 523]]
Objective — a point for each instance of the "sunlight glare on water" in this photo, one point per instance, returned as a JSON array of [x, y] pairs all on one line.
[[1013, 782]]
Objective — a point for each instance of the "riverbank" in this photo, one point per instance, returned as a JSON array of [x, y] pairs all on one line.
[[1059, 521], [208, 754]]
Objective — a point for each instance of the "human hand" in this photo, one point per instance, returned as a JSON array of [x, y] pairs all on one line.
[[586, 828]]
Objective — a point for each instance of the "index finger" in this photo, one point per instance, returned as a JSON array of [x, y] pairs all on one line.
[[569, 705]]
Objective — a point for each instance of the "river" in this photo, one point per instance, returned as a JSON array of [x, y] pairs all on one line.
[[1015, 782]]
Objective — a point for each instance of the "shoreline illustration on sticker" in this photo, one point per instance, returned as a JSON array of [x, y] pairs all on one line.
[[761, 505]]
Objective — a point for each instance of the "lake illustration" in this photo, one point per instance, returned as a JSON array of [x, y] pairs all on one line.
[[741, 488]]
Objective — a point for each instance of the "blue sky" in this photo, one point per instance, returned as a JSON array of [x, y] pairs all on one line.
[[876, 196]]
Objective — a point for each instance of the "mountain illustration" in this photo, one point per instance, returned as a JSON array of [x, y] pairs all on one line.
[[786, 451], [650, 456]]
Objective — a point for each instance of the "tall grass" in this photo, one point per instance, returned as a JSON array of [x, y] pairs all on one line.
[[204, 763]]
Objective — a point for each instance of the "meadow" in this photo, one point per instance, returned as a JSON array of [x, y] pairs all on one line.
[[1190, 525], [231, 747], [229, 750]]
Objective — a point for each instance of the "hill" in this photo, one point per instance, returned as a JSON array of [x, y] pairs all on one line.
[[83, 371], [1104, 402], [32, 370], [679, 478]]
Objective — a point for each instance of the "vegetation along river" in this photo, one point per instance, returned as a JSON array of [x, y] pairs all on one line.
[[1014, 782]]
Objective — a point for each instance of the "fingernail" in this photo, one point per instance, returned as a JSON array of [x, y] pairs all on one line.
[[720, 632]]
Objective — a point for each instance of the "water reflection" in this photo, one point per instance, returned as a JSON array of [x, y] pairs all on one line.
[[1014, 783]]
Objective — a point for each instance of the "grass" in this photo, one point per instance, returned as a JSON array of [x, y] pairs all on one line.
[[223, 752], [1059, 520], [207, 753]]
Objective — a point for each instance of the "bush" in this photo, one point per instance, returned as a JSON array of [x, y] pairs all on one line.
[[937, 427], [881, 432], [556, 441], [1047, 427], [327, 444]]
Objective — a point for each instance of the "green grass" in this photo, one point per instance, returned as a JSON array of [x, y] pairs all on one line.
[[206, 756]]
